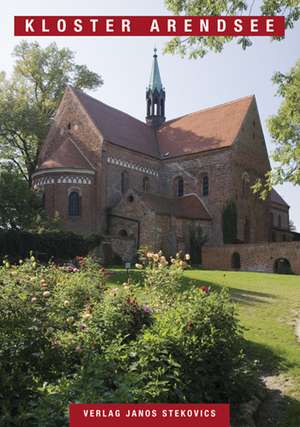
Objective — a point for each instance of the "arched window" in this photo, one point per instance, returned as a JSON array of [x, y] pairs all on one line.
[[123, 233], [146, 184], [279, 221], [74, 204], [179, 186], [124, 182], [205, 185]]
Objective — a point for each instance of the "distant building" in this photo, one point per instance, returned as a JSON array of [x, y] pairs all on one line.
[[161, 184], [280, 220]]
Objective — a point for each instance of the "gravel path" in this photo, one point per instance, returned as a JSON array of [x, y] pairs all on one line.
[[298, 329]]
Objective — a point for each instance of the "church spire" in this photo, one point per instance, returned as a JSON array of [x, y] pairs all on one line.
[[155, 96], [155, 80]]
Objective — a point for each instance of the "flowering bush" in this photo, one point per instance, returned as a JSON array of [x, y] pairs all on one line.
[[51, 322], [66, 336], [192, 353], [163, 279]]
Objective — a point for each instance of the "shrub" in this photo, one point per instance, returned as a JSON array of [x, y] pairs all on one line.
[[65, 337], [192, 353], [162, 279], [36, 307], [59, 245], [53, 319]]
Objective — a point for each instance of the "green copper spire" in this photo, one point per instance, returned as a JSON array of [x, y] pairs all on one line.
[[155, 97], [155, 80]]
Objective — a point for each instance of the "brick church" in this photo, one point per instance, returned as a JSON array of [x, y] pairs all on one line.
[[161, 184]]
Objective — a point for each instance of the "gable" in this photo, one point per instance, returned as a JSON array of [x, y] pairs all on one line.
[[83, 134], [250, 149]]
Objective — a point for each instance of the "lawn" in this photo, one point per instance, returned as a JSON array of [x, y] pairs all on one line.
[[267, 305]]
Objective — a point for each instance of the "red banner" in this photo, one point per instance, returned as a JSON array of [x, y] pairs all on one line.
[[131, 415], [149, 26]]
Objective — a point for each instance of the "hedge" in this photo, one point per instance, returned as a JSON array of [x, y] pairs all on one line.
[[59, 245]]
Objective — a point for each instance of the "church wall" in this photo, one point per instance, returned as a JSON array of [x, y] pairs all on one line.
[[283, 213], [225, 169], [132, 220], [250, 161], [56, 200], [217, 165], [71, 119], [116, 160]]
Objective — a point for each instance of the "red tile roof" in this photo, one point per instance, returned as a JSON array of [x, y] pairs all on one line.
[[204, 130], [189, 206], [276, 198], [119, 128], [66, 156], [208, 129]]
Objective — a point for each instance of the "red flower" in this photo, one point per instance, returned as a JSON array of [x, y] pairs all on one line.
[[204, 289]]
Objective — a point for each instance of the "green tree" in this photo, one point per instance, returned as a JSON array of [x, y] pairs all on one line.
[[198, 46], [229, 223], [20, 207], [30, 97], [284, 128]]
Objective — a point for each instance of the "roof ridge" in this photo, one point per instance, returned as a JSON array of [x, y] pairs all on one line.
[[106, 105], [209, 108]]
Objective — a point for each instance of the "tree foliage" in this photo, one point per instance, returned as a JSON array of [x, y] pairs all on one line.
[[20, 207], [196, 47], [284, 128], [229, 221], [30, 97]]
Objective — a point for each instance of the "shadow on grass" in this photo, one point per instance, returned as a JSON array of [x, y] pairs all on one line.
[[269, 362], [242, 296], [278, 410], [250, 297]]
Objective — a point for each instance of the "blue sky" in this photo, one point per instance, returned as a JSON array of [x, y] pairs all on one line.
[[124, 63]]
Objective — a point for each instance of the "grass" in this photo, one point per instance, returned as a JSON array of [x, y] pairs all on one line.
[[267, 305]]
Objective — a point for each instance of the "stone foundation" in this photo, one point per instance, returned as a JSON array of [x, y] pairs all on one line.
[[260, 257]]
